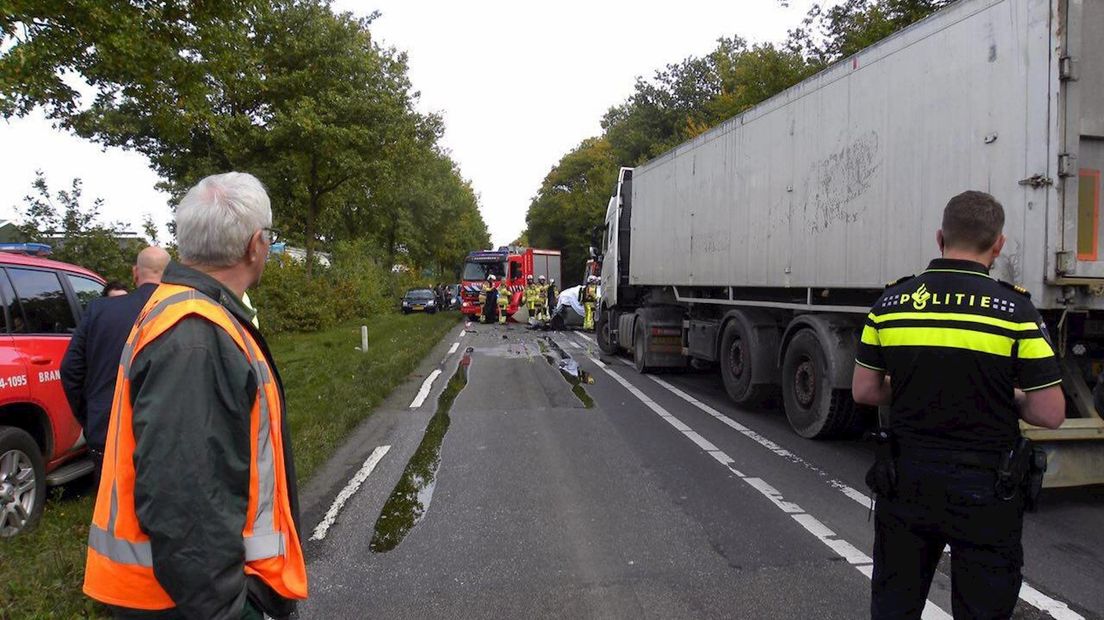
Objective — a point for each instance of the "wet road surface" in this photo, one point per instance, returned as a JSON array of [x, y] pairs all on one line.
[[522, 493]]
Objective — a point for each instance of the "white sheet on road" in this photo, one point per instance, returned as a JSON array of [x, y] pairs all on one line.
[[570, 297]]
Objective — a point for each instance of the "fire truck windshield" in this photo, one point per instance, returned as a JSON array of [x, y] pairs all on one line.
[[480, 271]]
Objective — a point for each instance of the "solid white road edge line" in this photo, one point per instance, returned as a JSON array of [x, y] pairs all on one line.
[[339, 502], [847, 490], [427, 385], [1056, 608], [842, 548]]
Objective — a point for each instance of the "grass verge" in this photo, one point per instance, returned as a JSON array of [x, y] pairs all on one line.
[[331, 387]]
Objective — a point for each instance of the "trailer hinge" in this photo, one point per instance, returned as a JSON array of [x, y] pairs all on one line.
[[1067, 165], [1066, 263], [1037, 181], [1067, 69]]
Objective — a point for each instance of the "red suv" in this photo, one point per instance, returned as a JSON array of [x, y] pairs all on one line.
[[40, 442]]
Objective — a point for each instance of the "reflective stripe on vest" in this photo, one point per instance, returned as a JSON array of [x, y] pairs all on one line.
[[257, 547]]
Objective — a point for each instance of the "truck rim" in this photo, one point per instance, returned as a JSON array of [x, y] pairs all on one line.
[[736, 358], [17, 491], [805, 382]]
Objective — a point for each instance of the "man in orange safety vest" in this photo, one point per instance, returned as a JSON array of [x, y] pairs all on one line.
[[197, 510]]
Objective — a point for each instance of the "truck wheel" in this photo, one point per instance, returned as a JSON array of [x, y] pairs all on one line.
[[814, 408], [602, 332], [22, 481], [736, 366], [639, 344]]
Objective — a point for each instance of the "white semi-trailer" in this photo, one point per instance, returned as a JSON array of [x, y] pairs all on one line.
[[761, 244]]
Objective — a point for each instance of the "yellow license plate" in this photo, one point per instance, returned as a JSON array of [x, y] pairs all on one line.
[[419, 307]]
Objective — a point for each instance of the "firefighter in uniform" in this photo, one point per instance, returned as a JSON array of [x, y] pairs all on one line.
[[542, 299], [589, 299], [487, 297], [532, 293], [959, 358], [503, 301]]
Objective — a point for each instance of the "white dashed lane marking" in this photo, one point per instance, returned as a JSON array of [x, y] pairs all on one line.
[[351, 488], [423, 393]]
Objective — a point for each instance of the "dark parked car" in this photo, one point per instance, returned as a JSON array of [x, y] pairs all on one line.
[[419, 300]]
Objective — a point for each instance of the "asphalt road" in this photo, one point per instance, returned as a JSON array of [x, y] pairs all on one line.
[[662, 500]]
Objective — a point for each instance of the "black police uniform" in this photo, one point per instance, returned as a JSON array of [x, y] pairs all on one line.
[[955, 343]]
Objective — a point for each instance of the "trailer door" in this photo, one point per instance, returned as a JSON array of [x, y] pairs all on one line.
[[1082, 88]]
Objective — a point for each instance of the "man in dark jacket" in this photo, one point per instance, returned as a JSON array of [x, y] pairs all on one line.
[[91, 363], [193, 394]]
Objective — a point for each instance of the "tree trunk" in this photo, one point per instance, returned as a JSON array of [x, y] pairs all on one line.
[[312, 211], [312, 214], [391, 233]]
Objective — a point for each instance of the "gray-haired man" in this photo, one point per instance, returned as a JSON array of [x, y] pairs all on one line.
[[197, 512]]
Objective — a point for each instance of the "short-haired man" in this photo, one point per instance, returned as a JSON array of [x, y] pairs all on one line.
[[960, 358], [114, 288], [91, 363], [197, 512]]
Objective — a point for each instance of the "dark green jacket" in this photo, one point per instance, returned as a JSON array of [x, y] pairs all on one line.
[[192, 394]]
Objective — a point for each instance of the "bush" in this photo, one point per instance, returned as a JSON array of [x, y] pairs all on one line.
[[354, 286], [287, 300]]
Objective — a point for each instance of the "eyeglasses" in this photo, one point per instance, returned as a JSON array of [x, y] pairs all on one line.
[[272, 235]]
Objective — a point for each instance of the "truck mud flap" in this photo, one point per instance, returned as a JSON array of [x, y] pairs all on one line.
[[661, 332]]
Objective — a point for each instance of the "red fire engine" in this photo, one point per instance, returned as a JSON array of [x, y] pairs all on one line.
[[513, 263]]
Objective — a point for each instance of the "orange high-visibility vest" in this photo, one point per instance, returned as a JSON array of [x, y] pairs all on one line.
[[119, 567]]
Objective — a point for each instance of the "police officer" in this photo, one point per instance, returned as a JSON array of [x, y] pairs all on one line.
[[550, 302], [959, 358], [589, 297]]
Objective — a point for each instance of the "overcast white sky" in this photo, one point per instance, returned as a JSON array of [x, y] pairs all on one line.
[[518, 83]]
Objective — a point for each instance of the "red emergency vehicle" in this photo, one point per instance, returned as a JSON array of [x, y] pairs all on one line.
[[41, 443], [515, 264]]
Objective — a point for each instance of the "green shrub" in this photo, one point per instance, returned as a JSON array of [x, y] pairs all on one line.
[[354, 287], [364, 284]]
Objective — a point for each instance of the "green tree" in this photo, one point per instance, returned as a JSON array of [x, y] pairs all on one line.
[[334, 104], [74, 230], [571, 202], [288, 90], [747, 76], [831, 33], [656, 115]]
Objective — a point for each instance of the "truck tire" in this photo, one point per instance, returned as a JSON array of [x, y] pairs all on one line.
[[736, 366], [602, 333], [814, 408], [639, 355], [22, 481]]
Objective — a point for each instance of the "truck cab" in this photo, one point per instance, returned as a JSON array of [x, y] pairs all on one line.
[[478, 266]]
